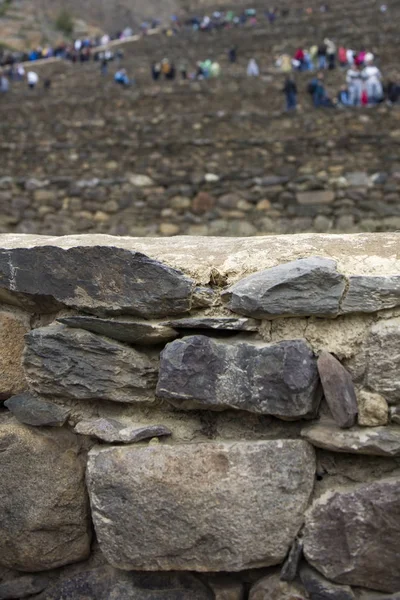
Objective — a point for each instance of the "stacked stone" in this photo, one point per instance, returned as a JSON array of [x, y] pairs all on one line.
[[206, 421]]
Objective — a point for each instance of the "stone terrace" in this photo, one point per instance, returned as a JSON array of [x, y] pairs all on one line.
[[205, 158]]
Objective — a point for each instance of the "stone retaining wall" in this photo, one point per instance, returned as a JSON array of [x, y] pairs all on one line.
[[236, 204], [198, 419]]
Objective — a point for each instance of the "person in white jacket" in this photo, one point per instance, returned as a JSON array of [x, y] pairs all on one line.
[[252, 68], [354, 82], [373, 83]]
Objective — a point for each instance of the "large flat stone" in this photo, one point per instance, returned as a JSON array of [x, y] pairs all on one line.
[[23, 587], [107, 583], [338, 390], [31, 411], [352, 536], [319, 588], [44, 513], [200, 507], [74, 363], [378, 441], [272, 588], [96, 279], [308, 286], [219, 323], [276, 379], [123, 329], [367, 294], [383, 359], [316, 197]]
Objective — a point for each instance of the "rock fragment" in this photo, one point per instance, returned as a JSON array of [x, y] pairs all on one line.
[[32, 411], [110, 430], [338, 390]]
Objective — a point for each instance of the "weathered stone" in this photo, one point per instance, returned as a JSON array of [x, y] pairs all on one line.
[[358, 179], [395, 414], [383, 359], [31, 411], [378, 441], [373, 409], [202, 203], [276, 379], [110, 430], [123, 329], [353, 536], [22, 587], [204, 501], [106, 583], [291, 565], [338, 390], [225, 588], [319, 588], [13, 327], [169, 229], [74, 363], [99, 279], [308, 286], [370, 294], [141, 180], [222, 323], [44, 520], [272, 588], [316, 197]]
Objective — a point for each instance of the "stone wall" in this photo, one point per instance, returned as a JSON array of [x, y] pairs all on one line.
[[241, 204], [198, 419]]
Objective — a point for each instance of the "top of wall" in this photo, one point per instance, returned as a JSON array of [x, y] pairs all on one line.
[[233, 258]]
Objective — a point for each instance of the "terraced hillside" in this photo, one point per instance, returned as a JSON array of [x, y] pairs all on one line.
[[217, 157]]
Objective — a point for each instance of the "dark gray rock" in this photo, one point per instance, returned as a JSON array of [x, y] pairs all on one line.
[[31, 411], [123, 329], [107, 583], [22, 587], [44, 512], [96, 279], [308, 286], [220, 323], [199, 506], [338, 390], [352, 536], [74, 363], [275, 379], [378, 441], [291, 565], [110, 430], [370, 294], [320, 588]]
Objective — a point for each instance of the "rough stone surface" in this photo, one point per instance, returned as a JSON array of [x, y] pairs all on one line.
[[22, 587], [383, 359], [271, 588], [373, 409], [224, 588], [338, 390], [353, 536], [378, 441], [74, 363], [96, 279], [13, 327], [370, 294], [277, 379], [44, 519], [110, 430], [123, 329], [106, 583], [222, 323], [31, 411], [320, 588], [309, 286], [199, 506], [291, 565], [316, 197]]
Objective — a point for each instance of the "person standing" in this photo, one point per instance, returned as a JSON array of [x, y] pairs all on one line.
[[33, 79], [290, 91], [354, 82], [373, 83], [252, 68]]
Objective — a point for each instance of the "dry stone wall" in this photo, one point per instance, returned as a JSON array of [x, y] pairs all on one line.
[[200, 419]]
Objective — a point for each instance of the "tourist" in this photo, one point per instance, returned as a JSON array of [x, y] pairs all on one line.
[[155, 71], [232, 54], [354, 81], [252, 68], [122, 78], [342, 57], [290, 91], [330, 53], [33, 79], [372, 77], [318, 93], [4, 84], [343, 98], [321, 56]]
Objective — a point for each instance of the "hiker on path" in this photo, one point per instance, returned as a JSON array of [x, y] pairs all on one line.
[[290, 91], [252, 68]]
